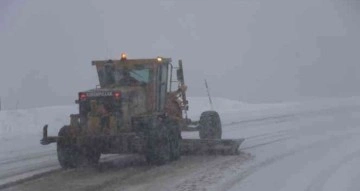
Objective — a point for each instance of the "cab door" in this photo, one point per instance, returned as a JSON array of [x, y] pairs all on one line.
[[161, 86]]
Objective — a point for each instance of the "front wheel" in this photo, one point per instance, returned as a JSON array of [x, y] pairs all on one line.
[[210, 125]]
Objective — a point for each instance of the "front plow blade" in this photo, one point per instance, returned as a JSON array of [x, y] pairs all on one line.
[[210, 146]]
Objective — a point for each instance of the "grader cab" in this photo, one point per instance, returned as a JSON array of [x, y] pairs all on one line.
[[136, 110]]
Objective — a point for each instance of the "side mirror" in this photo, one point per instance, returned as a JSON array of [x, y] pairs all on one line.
[[180, 75], [180, 72]]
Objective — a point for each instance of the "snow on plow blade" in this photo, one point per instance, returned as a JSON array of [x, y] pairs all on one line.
[[210, 146]]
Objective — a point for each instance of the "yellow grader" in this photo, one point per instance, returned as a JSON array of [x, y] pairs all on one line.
[[135, 110]]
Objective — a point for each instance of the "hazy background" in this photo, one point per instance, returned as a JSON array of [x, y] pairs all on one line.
[[248, 50]]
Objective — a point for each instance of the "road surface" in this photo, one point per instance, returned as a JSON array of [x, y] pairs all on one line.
[[302, 147]]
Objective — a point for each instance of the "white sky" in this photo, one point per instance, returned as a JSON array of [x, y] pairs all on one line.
[[249, 50]]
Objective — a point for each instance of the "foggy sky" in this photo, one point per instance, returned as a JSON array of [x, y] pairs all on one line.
[[248, 50]]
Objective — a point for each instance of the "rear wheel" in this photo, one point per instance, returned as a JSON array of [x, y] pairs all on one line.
[[210, 125], [162, 142], [174, 136], [69, 155], [91, 155], [158, 147]]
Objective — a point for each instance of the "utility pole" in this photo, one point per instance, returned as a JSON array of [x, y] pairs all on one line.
[[0, 103], [208, 92]]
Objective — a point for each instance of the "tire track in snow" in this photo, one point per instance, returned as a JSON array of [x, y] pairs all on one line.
[[266, 139], [205, 177], [214, 172], [265, 143], [23, 167], [27, 157], [279, 118], [254, 168], [275, 118], [108, 164], [24, 172], [318, 183], [141, 168], [267, 134], [32, 173], [10, 184], [21, 170]]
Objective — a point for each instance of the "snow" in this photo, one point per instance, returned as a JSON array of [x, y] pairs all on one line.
[[22, 129], [311, 145], [21, 154]]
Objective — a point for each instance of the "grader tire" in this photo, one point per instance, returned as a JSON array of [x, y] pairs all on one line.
[[174, 136], [69, 155], [91, 156], [157, 144], [210, 125], [72, 156]]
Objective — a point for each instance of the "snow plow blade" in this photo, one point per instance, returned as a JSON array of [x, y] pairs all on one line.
[[210, 146]]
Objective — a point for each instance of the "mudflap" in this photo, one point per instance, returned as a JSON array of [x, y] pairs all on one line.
[[210, 146]]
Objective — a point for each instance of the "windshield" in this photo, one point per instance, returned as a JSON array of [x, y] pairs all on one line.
[[140, 75], [124, 76]]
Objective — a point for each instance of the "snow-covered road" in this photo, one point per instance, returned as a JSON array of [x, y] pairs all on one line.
[[310, 152], [306, 146]]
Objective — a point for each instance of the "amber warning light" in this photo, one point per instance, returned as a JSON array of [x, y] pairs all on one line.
[[123, 56]]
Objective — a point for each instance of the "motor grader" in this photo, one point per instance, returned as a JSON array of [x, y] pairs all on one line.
[[135, 110]]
